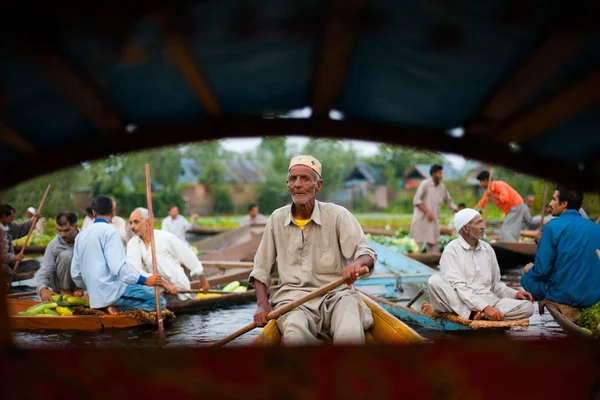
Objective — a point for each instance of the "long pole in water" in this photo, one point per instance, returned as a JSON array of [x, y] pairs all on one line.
[[31, 228], [487, 192], [161, 328]]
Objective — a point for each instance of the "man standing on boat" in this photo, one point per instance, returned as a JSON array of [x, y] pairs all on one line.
[[177, 224], [54, 276], [469, 280], [510, 202], [10, 231], [310, 244], [99, 266], [428, 202], [171, 254], [566, 268]]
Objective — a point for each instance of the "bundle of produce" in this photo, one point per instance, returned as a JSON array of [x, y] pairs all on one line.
[[589, 319], [235, 287], [36, 239], [60, 306], [398, 244]]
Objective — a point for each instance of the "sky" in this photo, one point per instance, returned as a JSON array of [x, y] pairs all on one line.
[[364, 148]]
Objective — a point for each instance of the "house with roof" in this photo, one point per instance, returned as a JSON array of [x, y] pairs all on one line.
[[241, 177], [413, 176], [364, 182]]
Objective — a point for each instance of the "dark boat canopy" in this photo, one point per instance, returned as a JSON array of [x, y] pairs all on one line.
[[519, 78]]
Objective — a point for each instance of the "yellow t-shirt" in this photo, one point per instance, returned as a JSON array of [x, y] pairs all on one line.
[[301, 222]]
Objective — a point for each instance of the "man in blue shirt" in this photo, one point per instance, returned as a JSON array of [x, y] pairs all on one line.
[[99, 265], [566, 269]]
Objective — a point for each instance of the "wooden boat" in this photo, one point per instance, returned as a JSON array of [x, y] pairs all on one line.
[[74, 323], [385, 330], [429, 259], [514, 253], [31, 249], [222, 300], [568, 326], [441, 322]]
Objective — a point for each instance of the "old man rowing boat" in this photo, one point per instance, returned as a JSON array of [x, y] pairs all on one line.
[[311, 244]]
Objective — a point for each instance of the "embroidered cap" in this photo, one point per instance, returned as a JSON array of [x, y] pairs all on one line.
[[309, 161]]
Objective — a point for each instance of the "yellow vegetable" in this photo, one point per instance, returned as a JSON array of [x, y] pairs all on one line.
[[64, 311], [204, 296]]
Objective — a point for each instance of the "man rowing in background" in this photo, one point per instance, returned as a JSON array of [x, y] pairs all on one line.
[[171, 254], [100, 266], [10, 231], [469, 280], [54, 276], [566, 268], [311, 244], [177, 224], [510, 202]]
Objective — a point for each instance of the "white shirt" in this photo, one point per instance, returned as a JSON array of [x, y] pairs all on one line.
[[259, 219], [121, 226], [474, 274], [177, 227], [171, 254], [87, 222]]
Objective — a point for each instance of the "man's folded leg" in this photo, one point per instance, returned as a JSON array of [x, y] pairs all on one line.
[[138, 296]]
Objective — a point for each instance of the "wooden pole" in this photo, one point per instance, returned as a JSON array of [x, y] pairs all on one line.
[[22, 294], [415, 298], [159, 316], [544, 206], [280, 311], [31, 228], [487, 192]]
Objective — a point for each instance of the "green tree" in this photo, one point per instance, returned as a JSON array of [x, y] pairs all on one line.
[[336, 160]]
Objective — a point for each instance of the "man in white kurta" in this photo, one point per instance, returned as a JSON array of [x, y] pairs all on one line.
[[469, 281], [171, 254], [177, 224], [428, 200]]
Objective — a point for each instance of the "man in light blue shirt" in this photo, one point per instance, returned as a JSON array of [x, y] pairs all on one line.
[[566, 269], [99, 265]]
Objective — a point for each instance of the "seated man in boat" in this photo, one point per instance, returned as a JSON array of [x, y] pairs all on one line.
[[11, 231], [253, 217], [171, 254], [469, 280], [566, 268], [99, 266], [510, 202], [310, 244], [177, 224], [54, 276]]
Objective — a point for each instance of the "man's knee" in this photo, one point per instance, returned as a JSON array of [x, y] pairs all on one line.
[[526, 309], [435, 282], [63, 260]]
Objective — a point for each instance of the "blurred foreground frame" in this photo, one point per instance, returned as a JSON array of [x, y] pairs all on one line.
[[81, 81]]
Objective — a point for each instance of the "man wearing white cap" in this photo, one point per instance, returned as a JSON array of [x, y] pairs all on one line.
[[39, 226], [469, 280], [310, 244]]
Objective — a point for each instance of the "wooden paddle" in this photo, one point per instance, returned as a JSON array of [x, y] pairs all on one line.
[[285, 309], [22, 294], [31, 228], [415, 298], [159, 316], [487, 192]]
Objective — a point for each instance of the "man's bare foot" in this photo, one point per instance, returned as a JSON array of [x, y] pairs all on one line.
[[112, 310]]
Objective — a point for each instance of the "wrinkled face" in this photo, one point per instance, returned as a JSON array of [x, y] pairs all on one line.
[[139, 226], [303, 184], [484, 183], [530, 200], [28, 214], [557, 207], [67, 232], [253, 212], [174, 212], [437, 176], [475, 229]]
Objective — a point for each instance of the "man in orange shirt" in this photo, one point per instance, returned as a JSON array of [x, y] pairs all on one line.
[[510, 202]]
